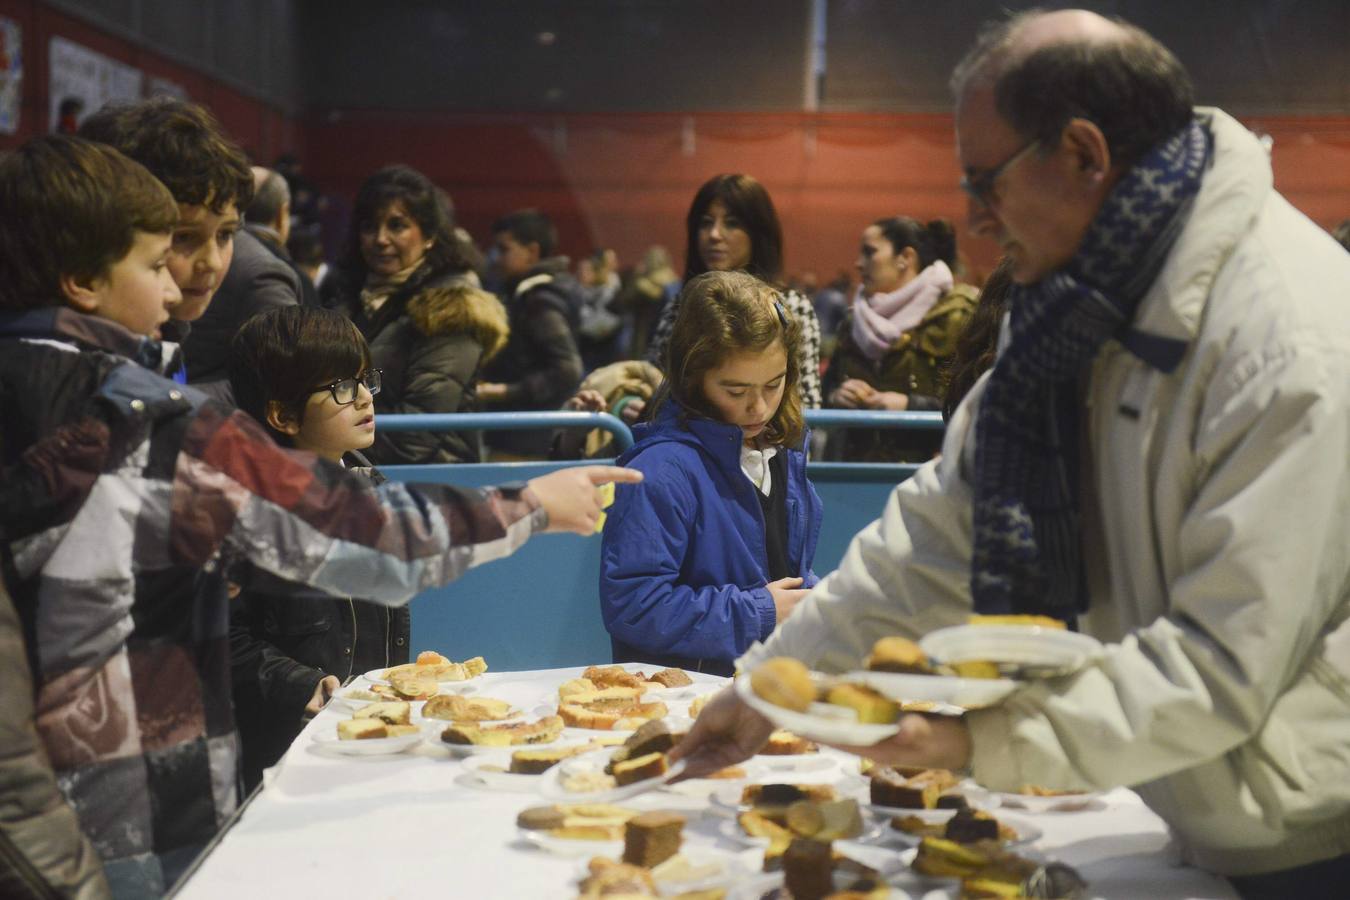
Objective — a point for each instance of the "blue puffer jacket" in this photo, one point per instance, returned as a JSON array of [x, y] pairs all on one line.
[[683, 565]]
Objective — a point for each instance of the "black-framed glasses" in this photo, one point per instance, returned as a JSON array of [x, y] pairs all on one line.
[[980, 188], [345, 390]]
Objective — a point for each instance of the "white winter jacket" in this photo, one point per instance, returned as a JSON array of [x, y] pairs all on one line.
[[1218, 550]]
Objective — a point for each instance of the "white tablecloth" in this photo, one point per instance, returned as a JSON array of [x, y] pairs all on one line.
[[413, 826]]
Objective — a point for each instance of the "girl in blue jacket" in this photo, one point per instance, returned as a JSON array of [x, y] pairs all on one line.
[[714, 547]]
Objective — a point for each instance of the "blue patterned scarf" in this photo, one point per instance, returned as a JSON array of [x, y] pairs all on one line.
[[1028, 556]]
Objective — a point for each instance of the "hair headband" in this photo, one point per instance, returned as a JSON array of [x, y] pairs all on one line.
[[782, 313]]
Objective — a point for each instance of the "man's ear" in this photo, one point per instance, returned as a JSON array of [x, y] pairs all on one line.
[[1089, 148], [80, 293], [281, 419]]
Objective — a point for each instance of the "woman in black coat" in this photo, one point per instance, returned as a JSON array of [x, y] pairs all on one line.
[[407, 279]]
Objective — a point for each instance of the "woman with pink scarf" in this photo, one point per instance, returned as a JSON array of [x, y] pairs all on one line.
[[900, 333]]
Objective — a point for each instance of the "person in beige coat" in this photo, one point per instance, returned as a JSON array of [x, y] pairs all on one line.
[[43, 852], [1208, 462]]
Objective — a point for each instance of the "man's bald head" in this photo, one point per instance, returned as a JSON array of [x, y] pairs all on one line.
[[271, 204], [1046, 68]]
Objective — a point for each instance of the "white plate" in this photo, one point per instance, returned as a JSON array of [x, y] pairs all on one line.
[[551, 787], [338, 701], [1065, 803], [704, 788], [570, 846], [376, 676], [821, 723], [367, 747], [489, 770], [952, 694], [800, 763], [1027, 831], [727, 868], [1026, 644], [731, 829]]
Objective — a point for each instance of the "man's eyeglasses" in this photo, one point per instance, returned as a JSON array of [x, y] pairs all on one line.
[[345, 391], [980, 187]]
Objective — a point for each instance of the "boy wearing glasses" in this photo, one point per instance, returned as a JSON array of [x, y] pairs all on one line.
[[305, 374]]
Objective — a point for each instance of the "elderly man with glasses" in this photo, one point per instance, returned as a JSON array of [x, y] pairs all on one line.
[[1160, 457]]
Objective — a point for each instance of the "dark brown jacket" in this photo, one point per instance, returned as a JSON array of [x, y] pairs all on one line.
[[914, 365]]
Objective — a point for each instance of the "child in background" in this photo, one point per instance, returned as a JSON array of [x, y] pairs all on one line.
[[714, 548], [305, 374], [125, 493]]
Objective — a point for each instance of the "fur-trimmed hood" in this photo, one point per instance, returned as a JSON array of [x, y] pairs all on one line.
[[459, 306]]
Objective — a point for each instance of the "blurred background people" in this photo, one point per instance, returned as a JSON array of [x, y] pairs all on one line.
[[408, 283], [268, 219], [541, 366], [900, 332], [732, 226]]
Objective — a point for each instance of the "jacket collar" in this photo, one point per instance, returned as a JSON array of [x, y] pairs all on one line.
[[720, 441], [65, 325], [1235, 187]]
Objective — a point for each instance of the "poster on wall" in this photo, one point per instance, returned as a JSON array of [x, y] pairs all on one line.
[[82, 81], [11, 75]]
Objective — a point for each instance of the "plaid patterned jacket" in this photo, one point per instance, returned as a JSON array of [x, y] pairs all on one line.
[[124, 495]]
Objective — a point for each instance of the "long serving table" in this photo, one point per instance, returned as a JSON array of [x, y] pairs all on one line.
[[414, 825]]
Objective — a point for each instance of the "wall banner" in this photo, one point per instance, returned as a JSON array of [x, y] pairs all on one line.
[[82, 81]]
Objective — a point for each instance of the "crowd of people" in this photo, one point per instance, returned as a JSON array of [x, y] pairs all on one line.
[[1147, 438]]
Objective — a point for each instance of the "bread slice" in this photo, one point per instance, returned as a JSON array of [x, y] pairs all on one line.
[[535, 762], [898, 654], [672, 678], [361, 729], [785, 743], [651, 838], [629, 771], [613, 676], [390, 713], [576, 686]]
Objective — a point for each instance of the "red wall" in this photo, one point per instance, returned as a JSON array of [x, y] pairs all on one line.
[[262, 129], [625, 180]]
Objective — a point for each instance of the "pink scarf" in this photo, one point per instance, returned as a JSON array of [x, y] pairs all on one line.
[[879, 320]]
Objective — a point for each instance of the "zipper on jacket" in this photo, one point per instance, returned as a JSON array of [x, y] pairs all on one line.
[[351, 657]]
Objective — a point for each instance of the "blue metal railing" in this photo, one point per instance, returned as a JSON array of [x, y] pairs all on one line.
[[512, 421], [528, 421]]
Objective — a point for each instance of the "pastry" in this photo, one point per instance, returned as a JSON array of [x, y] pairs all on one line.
[[535, 762], [575, 686], [808, 869], [456, 708], [832, 820], [607, 878], [475, 666], [361, 729], [785, 743], [921, 790], [588, 782], [583, 821], [1023, 620], [395, 713], [541, 731], [871, 706], [696, 705], [582, 716], [672, 678], [430, 658], [613, 676], [898, 654], [974, 668], [640, 768], [653, 736], [941, 858], [785, 794], [414, 685], [890, 788], [968, 826], [784, 681], [652, 838]]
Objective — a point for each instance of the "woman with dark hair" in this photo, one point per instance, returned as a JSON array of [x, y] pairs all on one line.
[[902, 329], [732, 226], [407, 279]]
